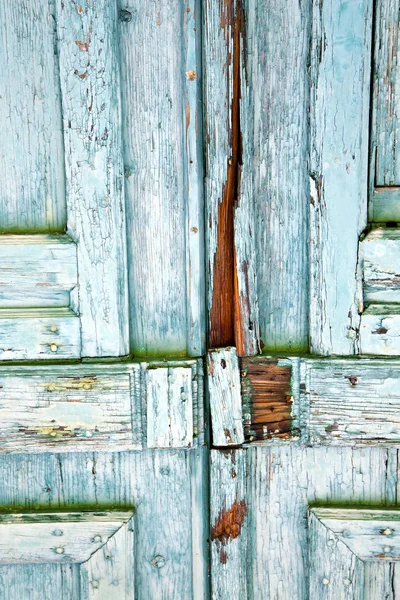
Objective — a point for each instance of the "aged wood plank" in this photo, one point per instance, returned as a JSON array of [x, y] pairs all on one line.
[[336, 573], [380, 257], [56, 537], [158, 91], [229, 527], [370, 534], [281, 486], [157, 483], [194, 168], [352, 401], [340, 76], [232, 293], [274, 122], [386, 99], [225, 397], [33, 333], [37, 270], [267, 398], [89, 74], [32, 186], [44, 582], [109, 572], [67, 408], [200, 523], [169, 408], [381, 580]]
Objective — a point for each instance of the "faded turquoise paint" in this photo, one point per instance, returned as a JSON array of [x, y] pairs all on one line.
[[105, 118], [160, 55], [32, 187]]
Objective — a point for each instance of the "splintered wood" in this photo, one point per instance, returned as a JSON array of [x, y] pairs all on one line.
[[267, 401]]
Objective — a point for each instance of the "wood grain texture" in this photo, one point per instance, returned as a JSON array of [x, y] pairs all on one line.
[[159, 56], [370, 534], [194, 168], [89, 74], [382, 580], [42, 582], [32, 186], [169, 407], [380, 256], [351, 401], [159, 484], [266, 398], [229, 527], [36, 333], [225, 397], [386, 99], [231, 273], [57, 537], [200, 494], [275, 131], [281, 484], [336, 573], [37, 270], [109, 572], [380, 330], [67, 408], [340, 75]]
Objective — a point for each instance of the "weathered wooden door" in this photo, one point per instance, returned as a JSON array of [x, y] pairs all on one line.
[[102, 308], [198, 214], [302, 191]]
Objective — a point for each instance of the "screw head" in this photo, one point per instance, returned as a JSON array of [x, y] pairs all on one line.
[[58, 532], [386, 548], [347, 582], [54, 347], [97, 539], [330, 542], [326, 581], [387, 531], [59, 550]]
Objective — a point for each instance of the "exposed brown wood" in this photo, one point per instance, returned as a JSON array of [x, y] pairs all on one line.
[[224, 314], [267, 400]]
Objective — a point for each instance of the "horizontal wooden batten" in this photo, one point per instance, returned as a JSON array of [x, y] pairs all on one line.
[[68, 408], [56, 537], [37, 275], [35, 333], [339, 402], [351, 402]]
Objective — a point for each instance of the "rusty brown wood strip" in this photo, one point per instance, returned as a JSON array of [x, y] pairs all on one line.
[[267, 399], [232, 291]]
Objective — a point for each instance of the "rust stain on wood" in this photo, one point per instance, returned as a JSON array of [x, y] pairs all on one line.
[[229, 523], [225, 314], [267, 400]]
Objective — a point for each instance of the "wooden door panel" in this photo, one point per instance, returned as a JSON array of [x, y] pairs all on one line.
[[102, 544], [101, 407], [160, 61], [385, 143], [166, 490], [32, 178], [272, 533], [39, 277]]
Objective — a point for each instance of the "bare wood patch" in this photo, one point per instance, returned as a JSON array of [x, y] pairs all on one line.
[[267, 399]]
